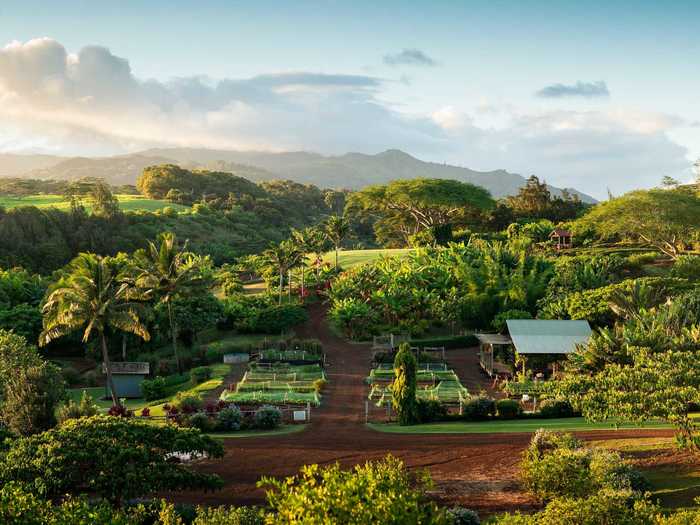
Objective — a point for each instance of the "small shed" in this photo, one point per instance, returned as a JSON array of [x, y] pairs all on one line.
[[545, 336], [561, 239], [486, 344], [127, 377]]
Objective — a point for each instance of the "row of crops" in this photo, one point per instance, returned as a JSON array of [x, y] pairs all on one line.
[[277, 379], [435, 382]]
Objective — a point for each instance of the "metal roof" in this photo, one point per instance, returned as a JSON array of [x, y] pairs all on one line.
[[543, 336], [493, 339], [128, 368]]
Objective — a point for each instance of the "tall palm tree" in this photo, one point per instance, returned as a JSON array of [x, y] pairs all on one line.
[[166, 271], [309, 241], [337, 228], [282, 257], [93, 296]]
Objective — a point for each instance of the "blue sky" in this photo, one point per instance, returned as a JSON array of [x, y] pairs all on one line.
[[585, 94]]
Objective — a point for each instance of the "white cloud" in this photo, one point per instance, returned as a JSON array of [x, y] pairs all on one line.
[[91, 103]]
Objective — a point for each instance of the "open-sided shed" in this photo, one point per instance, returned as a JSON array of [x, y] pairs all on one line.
[[548, 336], [486, 348]]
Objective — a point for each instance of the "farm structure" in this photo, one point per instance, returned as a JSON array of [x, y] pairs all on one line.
[[562, 239]]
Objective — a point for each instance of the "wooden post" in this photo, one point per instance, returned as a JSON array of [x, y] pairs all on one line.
[[308, 411], [366, 411]]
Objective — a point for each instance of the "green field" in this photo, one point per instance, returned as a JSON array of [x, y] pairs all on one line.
[[572, 424], [350, 258], [126, 202]]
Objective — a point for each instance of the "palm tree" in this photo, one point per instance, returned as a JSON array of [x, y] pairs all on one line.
[[94, 295], [166, 271], [337, 228], [309, 240], [282, 257]]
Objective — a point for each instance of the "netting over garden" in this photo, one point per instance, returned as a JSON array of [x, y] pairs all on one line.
[[278, 383]]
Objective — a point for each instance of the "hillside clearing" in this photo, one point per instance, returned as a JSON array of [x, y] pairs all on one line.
[[126, 202]]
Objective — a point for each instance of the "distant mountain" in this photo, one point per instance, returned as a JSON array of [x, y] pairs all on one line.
[[13, 165], [352, 170], [356, 170]]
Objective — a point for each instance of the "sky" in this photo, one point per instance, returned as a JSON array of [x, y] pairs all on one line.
[[600, 96]]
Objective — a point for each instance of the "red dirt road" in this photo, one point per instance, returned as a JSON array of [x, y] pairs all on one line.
[[478, 471]]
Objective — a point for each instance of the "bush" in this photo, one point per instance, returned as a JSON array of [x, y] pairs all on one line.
[[200, 421], [267, 417], [403, 389], [331, 495], [637, 260], [188, 403], [229, 516], [556, 408], [355, 318], [479, 408], [508, 409], [229, 418], [462, 516], [152, 389], [70, 375], [687, 267], [200, 374], [72, 410], [429, 410], [92, 378], [556, 465], [278, 319]]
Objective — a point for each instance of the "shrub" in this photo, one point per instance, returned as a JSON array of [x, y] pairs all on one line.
[[200, 374], [92, 378], [152, 389], [354, 318], [319, 385], [603, 508], [72, 410], [462, 516], [429, 410], [508, 409], [200, 421], [687, 267], [331, 495], [70, 375], [479, 408], [556, 465], [637, 260], [267, 417], [279, 318], [556, 408], [229, 418], [229, 516], [188, 403]]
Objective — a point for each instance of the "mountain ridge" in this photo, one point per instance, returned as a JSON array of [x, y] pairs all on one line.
[[352, 170]]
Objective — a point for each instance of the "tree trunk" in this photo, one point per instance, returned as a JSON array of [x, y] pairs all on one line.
[[336, 258], [173, 335], [108, 370], [124, 347], [281, 286], [303, 272]]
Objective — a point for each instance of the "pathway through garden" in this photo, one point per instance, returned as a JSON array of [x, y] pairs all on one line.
[[475, 470]]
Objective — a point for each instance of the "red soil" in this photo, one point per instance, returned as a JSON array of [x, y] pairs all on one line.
[[478, 471]]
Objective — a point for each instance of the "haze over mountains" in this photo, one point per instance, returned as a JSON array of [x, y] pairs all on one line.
[[352, 170]]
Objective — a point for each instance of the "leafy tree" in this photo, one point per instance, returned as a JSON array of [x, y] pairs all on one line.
[[533, 199], [411, 206], [664, 219], [114, 458], [104, 203], [94, 295], [30, 388], [337, 228], [403, 389], [309, 241], [167, 271], [380, 492]]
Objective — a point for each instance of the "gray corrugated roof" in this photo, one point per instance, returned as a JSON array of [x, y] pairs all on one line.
[[543, 336]]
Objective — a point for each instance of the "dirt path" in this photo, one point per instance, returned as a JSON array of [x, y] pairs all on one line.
[[475, 470]]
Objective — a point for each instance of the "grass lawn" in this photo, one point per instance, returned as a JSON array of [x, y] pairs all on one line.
[[284, 429], [518, 425], [350, 258], [126, 202]]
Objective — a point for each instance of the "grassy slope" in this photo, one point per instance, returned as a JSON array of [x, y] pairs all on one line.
[[126, 202], [350, 258], [517, 425]]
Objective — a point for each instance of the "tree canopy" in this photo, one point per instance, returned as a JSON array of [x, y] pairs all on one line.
[[665, 219], [411, 206]]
